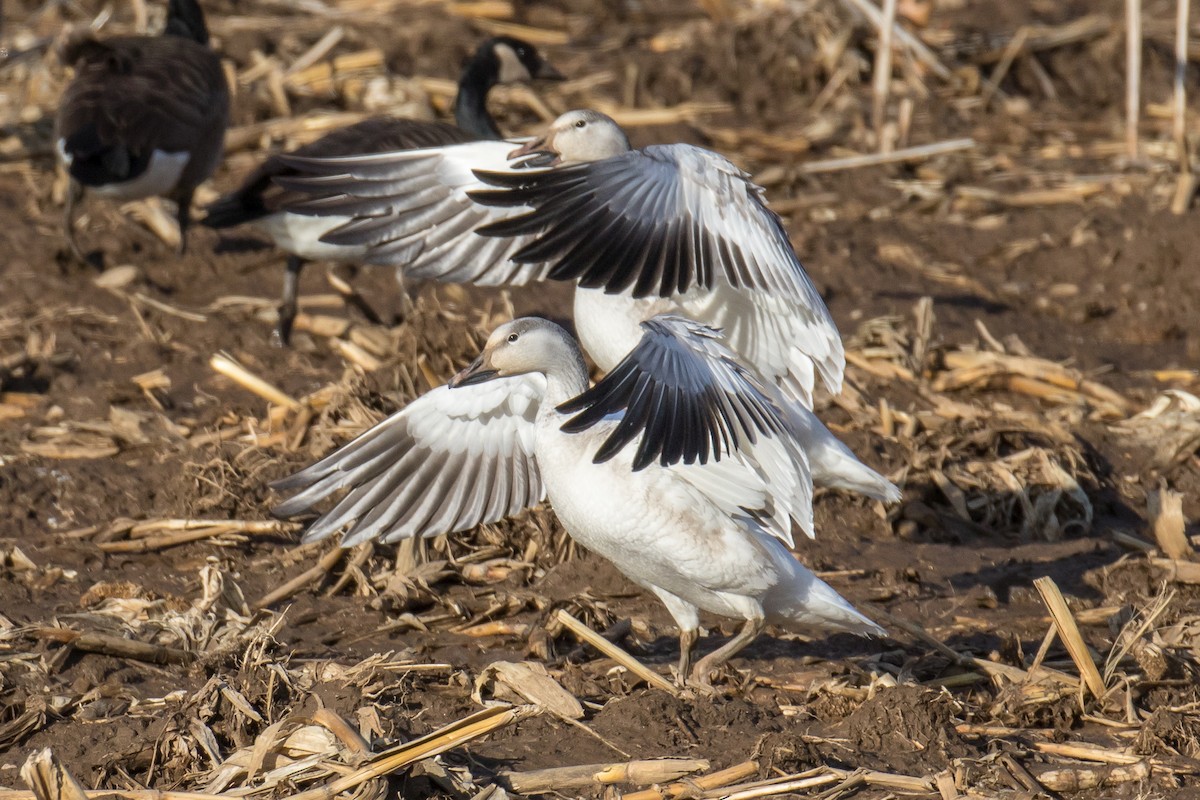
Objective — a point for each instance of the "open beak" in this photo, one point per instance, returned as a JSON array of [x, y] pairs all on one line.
[[473, 374], [536, 153], [547, 72]]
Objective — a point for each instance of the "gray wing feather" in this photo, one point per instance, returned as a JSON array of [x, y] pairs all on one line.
[[450, 460]]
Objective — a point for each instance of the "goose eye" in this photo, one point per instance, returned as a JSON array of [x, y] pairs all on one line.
[[512, 337], [581, 124], [522, 52]]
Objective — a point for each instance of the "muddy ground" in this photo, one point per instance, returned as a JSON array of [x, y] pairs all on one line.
[[1041, 239]]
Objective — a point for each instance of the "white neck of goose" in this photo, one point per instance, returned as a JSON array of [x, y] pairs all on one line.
[[565, 371]]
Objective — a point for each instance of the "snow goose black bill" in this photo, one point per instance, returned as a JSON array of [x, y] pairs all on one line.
[[450, 460], [683, 392]]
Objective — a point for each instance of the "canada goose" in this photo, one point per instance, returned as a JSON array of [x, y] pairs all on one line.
[[668, 229], [143, 116], [258, 201], [497, 439]]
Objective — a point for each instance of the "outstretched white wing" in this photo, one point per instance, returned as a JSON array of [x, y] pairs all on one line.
[[411, 209], [450, 460]]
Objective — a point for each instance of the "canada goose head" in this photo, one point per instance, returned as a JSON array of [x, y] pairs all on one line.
[[519, 61], [527, 344], [575, 137]]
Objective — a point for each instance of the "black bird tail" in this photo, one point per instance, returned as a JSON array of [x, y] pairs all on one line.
[[233, 209]]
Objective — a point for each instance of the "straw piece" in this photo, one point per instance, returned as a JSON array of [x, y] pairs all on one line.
[[1166, 516], [340, 727], [49, 779], [918, 49], [226, 366], [638, 773], [322, 77], [969, 367], [888, 780], [882, 80], [1178, 571], [318, 50], [918, 153], [397, 758], [150, 213], [1133, 74], [327, 562], [537, 36], [1075, 779], [355, 355], [157, 534], [530, 682], [1179, 115], [714, 780], [475, 9], [787, 785], [1011, 52], [1068, 631], [1086, 752], [615, 653], [684, 112], [119, 647]]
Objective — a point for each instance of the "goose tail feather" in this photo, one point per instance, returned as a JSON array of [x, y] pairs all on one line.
[[803, 602]]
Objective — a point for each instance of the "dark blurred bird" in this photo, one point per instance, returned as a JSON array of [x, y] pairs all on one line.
[[258, 201], [144, 115]]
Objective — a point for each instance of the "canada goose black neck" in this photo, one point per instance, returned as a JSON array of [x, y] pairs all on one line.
[[185, 19], [470, 106]]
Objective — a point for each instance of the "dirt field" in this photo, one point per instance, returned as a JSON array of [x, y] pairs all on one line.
[[1014, 313]]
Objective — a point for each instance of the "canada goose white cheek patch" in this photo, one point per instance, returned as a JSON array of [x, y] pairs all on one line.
[[511, 68], [159, 178], [65, 158]]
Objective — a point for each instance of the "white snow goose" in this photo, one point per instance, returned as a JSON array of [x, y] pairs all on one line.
[[143, 116], [260, 203], [706, 535], [667, 229]]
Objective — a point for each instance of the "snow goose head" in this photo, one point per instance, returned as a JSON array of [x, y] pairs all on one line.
[[577, 137], [525, 345]]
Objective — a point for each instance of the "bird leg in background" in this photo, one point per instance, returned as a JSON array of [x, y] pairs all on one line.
[[183, 215], [687, 644], [701, 675], [74, 195], [287, 305], [406, 302], [352, 296]]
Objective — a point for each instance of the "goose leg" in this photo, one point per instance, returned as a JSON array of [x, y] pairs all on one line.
[[183, 215], [702, 674], [687, 619], [407, 307], [287, 305], [687, 647], [345, 287], [74, 195]]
